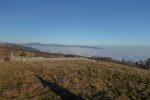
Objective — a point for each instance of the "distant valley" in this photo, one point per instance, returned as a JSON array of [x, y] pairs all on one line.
[[134, 53]]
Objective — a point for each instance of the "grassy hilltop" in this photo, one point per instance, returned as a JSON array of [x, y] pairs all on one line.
[[76, 79], [68, 79]]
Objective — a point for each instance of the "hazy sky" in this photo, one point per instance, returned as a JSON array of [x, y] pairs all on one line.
[[93, 22]]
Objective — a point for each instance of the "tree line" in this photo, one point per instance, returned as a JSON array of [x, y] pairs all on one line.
[[140, 64]]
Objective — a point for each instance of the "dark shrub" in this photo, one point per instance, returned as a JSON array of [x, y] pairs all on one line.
[[22, 54], [7, 59]]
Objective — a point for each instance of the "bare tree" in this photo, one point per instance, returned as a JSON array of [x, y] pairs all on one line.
[[147, 63]]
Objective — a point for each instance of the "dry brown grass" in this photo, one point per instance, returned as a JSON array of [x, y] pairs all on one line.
[[86, 79]]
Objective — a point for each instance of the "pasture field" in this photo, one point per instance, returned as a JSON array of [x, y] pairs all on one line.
[[76, 79]]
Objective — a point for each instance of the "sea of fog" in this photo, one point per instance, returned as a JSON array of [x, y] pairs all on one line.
[[134, 53]]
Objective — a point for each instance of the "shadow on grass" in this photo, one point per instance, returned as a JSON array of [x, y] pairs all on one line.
[[62, 92]]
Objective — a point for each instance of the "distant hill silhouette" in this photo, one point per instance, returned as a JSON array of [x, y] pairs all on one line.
[[59, 45]]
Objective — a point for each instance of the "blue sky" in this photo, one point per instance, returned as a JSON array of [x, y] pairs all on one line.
[[84, 22]]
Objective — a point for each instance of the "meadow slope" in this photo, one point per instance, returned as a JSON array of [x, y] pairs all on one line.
[[73, 79]]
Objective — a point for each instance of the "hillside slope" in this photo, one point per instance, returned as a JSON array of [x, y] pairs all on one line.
[[18, 50], [6, 48], [73, 80]]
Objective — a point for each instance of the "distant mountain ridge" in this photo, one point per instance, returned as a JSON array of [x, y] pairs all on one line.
[[59, 45]]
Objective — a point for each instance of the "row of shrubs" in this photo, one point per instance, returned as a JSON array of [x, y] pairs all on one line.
[[141, 64], [52, 55]]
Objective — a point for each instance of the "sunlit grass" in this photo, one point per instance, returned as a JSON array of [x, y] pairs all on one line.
[[88, 79]]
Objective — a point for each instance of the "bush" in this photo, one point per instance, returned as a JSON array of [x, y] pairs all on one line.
[[101, 58], [23, 54]]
